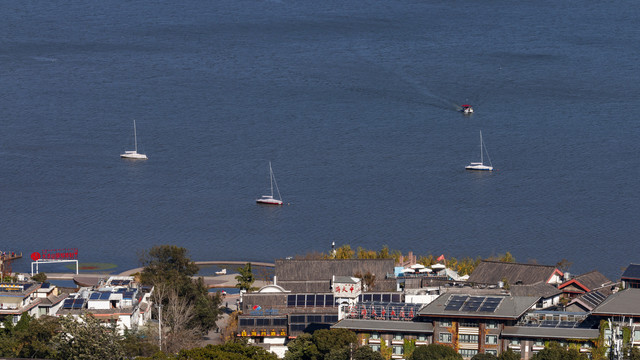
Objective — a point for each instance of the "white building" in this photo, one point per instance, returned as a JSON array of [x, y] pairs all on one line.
[[119, 300]]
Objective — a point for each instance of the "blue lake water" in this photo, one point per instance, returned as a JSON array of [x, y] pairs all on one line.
[[355, 105]]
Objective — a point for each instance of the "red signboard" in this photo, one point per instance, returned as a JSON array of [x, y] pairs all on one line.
[[56, 254]]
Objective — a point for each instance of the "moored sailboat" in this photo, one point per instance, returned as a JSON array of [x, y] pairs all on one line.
[[269, 199], [480, 165]]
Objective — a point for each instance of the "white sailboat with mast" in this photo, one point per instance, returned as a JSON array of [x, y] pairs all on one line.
[[133, 154], [269, 199], [480, 165]]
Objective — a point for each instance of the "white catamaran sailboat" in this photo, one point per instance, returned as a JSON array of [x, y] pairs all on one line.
[[133, 154], [480, 165], [269, 199]]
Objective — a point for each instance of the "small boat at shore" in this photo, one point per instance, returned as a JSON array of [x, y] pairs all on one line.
[[466, 109], [133, 154], [480, 165], [269, 199], [221, 272]]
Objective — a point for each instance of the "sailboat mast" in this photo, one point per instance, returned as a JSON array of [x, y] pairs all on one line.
[[271, 178], [481, 155], [135, 136]]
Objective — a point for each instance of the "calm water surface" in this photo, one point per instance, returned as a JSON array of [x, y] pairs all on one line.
[[355, 105]]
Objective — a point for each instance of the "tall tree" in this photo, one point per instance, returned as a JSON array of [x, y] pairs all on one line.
[[169, 269], [246, 278], [88, 339], [435, 352]]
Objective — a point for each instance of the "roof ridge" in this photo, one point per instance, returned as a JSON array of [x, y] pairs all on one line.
[[516, 263]]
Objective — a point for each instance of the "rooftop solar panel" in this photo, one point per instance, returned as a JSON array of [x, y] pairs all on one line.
[[94, 296], [78, 304], [68, 303]]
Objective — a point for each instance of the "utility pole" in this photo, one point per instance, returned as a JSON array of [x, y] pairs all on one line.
[[160, 326]]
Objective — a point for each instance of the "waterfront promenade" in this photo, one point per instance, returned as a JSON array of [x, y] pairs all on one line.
[[211, 281]]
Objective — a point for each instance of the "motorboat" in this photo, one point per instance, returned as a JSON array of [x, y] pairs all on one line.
[[466, 109]]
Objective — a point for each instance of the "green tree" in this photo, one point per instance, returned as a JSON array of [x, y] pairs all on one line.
[[556, 352], [246, 278], [39, 277], [87, 339], [138, 343], [233, 350], [302, 348], [484, 356], [508, 355], [169, 269], [29, 338], [634, 353], [365, 353], [435, 352], [327, 341]]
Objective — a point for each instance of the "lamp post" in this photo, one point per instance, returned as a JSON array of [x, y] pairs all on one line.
[[160, 326]]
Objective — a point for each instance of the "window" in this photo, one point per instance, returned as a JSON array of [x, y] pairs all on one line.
[[330, 319], [314, 318], [263, 322], [319, 300], [468, 324], [466, 338], [311, 300], [445, 323], [398, 350], [375, 347], [279, 322], [291, 300], [445, 337], [295, 328], [491, 339], [386, 298], [247, 322], [586, 345], [491, 325], [538, 343], [397, 336], [515, 342], [636, 335], [297, 319], [375, 336], [300, 300], [492, 352], [328, 301], [422, 337], [467, 353]]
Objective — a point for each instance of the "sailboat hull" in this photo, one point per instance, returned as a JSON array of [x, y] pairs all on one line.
[[133, 155], [479, 167], [269, 201]]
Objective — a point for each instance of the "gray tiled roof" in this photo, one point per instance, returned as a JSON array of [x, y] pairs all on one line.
[[632, 272], [626, 302], [491, 272], [549, 333], [541, 289], [511, 307], [384, 325], [592, 280]]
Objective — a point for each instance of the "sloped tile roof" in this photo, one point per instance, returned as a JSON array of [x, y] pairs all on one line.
[[626, 302], [591, 280], [384, 325], [492, 272], [632, 272]]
